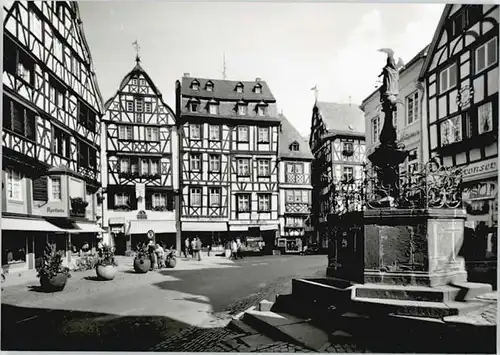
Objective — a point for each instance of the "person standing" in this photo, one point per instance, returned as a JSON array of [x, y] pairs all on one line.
[[193, 247], [186, 247], [234, 250], [152, 254], [198, 248], [239, 253]]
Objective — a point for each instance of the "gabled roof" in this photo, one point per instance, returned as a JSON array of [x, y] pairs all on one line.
[[139, 70], [342, 118], [435, 39], [225, 90], [289, 135]]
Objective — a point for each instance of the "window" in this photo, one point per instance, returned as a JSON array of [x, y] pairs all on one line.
[[14, 186], [87, 155], [214, 133], [485, 118], [412, 108], [257, 89], [56, 93], [347, 147], [263, 135], [214, 163], [448, 78], [86, 117], [486, 55], [139, 105], [195, 131], [212, 108], [195, 162], [134, 81], [263, 167], [348, 173], [125, 132], [195, 85], [243, 134], [159, 200], [451, 131], [243, 203], [239, 88], [124, 165], [261, 110], [193, 106], [142, 82], [148, 107], [469, 124], [55, 188], [242, 109], [152, 133], [297, 196], [25, 67], [214, 196], [18, 119], [61, 143], [195, 199], [134, 166], [264, 203], [209, 86], [130, 106], [375, 129], [155, 167], [243, 167], [296, 168], [144, 167], [294, 147], [121, 199]]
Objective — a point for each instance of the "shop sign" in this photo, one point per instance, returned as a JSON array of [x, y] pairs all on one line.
[[140, 190], [50, 209], [480, 168], [407, 135], [480, 190]]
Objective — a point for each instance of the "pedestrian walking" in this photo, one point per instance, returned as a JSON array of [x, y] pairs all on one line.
[[160, 254], [234, 250], [193, 247], [239, 253], [152, 254], [186, 247]]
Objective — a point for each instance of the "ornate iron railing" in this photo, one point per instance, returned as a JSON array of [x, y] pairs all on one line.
[[295, 178]]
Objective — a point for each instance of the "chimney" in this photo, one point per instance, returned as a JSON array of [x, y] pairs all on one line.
[[257, 79], [187, 74]]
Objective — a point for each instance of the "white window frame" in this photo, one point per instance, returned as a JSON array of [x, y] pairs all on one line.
[[122, 199], [263, 135], [144, 166], [212, 109], [261, 110], [245, 129], [243, 203], [129, 106], [195, 86], [148, 107], [345, 169], [194, 131], [195, 196], [239, 88], [139, 105], [412, 108], [264, 167], [214, 196], [125, 168], [486, 108], [375, 128], [152, 134], [195, 162], [209, 87], [52, 191], [214, 133], [258, 89], [142, 82], [449, 122], [155, 167], [242, 110], [345, 145], [214, 163], [158, 200], [294, 147], [488, 62], [130, 132], [264, 203], [134, 81], [241, 163], [446, 73], [14, 185], [193, 106]]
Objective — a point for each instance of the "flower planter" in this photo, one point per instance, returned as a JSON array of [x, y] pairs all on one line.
[[141, 265], [171, 262], [105, 272], [55, 283]]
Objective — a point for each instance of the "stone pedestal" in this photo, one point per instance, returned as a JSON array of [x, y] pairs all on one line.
[[414, 246]]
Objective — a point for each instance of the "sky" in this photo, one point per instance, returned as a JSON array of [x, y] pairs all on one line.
[[292, 46]]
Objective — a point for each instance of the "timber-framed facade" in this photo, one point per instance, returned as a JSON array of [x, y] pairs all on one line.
[[228, 138], [52, 112], [140, 172]]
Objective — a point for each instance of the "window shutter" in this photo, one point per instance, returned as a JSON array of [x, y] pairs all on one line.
[[111, 200], [40, 189]]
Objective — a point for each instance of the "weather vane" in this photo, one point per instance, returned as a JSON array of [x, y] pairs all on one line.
[[315, 89], [137, 48]]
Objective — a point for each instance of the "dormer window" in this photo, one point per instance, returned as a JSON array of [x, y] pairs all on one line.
[[213, 107], [294, 147], [261, 108], [239, 88], [257, 89], [195, 85], [209, 86], [242, 108], [193, 105]]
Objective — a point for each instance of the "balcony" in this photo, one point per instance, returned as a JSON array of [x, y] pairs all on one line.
[[298, 207], [294, 178]]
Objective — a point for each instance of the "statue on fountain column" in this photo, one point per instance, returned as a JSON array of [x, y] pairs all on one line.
[[390, 83]]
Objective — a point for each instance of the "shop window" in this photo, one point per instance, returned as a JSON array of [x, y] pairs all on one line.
[[13, 248]]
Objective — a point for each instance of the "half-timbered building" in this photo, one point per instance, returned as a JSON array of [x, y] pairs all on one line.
[[460, 76], [295, 189], [228, 132], [407, 120], [337, 142], [51, 131], [140, 171]]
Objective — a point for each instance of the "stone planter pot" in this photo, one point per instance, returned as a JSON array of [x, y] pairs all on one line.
[[55, 283], [171, 262], [105, 272], [141, 266]]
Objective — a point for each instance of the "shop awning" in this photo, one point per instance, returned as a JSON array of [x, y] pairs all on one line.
[[87, 228], [143, 226], [24, 224], [204, 226]]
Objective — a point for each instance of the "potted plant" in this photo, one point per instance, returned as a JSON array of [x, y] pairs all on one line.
[[53, 275], [78, 206], [106, 264], [142, 262]]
